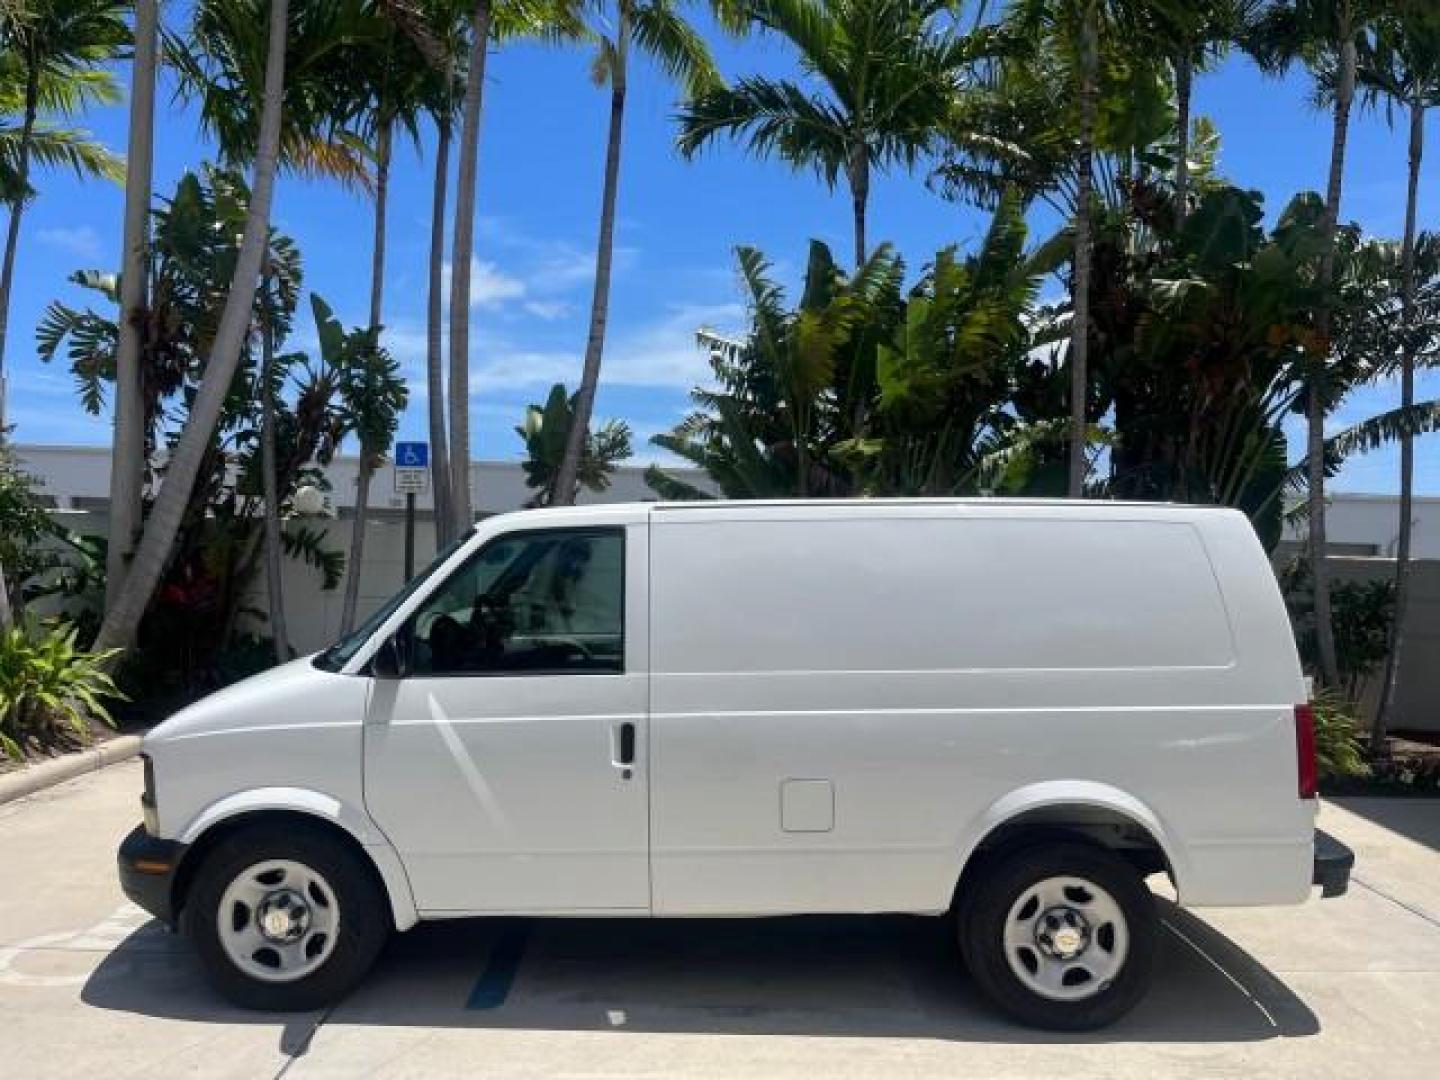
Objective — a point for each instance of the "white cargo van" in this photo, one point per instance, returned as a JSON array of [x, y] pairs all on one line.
[[1007, 713]]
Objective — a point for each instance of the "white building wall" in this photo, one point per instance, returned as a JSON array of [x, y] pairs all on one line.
[[1372, 523], [80, 475]]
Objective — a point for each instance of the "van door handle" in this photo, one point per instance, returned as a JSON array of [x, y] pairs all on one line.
[[627, 744]]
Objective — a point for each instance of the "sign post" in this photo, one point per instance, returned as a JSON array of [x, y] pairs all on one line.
[[412, 476]]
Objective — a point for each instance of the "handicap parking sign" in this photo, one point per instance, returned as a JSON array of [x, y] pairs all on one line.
[[412, 455]]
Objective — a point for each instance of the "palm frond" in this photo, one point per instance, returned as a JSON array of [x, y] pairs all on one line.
[[1421, 418], [664, 35], [55, 147]]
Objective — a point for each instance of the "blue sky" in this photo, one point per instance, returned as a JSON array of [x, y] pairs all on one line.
[[538, 197]]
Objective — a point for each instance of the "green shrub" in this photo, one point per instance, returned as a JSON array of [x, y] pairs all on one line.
[[1338, 751], [50, 689]]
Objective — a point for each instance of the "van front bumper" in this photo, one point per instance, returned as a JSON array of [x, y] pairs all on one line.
[[1333, 863], [147, 872]]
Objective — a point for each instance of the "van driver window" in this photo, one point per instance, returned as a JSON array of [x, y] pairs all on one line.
[[544, 602]]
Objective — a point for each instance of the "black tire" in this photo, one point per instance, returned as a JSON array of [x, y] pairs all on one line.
[[981, 917], [363, 927]]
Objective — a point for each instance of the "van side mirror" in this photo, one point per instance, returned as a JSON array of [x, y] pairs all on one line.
[[392, 659]]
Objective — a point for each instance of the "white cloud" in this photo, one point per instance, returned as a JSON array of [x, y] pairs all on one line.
[[548, 309], [561, 267], [514, 369], [664, 352], [550, 265], [490, 287], [83, 242], [660, 353]]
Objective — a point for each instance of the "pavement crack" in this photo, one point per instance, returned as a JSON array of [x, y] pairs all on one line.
[[1421, 912]]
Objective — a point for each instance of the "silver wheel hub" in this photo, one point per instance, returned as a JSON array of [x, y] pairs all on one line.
[[283, 916], [1062, 933], [277, 920], [1066, 938]]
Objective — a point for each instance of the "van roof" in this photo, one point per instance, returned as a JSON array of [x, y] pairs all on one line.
[[1090, 507], [706, 504]]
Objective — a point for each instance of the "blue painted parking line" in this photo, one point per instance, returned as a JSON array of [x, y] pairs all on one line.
[[495, 981]]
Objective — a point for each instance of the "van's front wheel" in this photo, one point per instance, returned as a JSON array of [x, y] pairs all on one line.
[[285, 919], [1060, 936]]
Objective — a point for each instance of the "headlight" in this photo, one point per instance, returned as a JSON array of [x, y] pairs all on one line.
[[147, 798]]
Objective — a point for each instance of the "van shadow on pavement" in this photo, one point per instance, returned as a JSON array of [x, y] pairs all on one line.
[[858, 976]]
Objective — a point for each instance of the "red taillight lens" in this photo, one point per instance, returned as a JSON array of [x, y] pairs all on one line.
[[1305, 751]]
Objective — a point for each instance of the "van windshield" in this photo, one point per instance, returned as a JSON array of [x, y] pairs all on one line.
[[338, 655]]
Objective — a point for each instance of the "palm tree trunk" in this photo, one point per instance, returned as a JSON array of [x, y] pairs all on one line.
[[567, 475], [270, 487], [357, 543], [802, 464], [354, 565], [434, 344], [117, 631], [17, 211], [7, 617], [858, 173], [377, 251], [1315, 408], [127, 456], [1184, 78], [1385, 713], [1080, 328], [460, 252]]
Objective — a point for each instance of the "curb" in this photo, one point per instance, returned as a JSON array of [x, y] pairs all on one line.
[[49, 773]]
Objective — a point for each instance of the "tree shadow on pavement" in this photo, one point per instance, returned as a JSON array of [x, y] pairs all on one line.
[[837, 976]]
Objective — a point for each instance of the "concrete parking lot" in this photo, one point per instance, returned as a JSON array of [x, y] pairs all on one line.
[[89, 987]]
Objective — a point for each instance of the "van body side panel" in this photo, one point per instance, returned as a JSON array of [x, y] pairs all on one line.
[[929, 661]]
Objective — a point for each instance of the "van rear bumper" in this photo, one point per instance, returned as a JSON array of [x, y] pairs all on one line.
[[147, 872], [1333, 863]]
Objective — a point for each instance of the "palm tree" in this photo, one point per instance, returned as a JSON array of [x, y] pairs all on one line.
[[401, 83], [461, 249], [1324, 35], [1193, 34], [440, 488], [117, 630], [446, 32], [127, 455], [437, 31], [220, 67], [547, 19], [52, 58], [400, 91], [269, 479], [326, 43], [883, 77], [1071, 30], [657, 29], [1401, 66], [1088, 16], [1029, 123]]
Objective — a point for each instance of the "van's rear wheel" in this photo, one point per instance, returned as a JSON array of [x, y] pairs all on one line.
[[285, 919], [1060, 936]]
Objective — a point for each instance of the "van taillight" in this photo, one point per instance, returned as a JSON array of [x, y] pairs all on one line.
[[1305, 750]]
